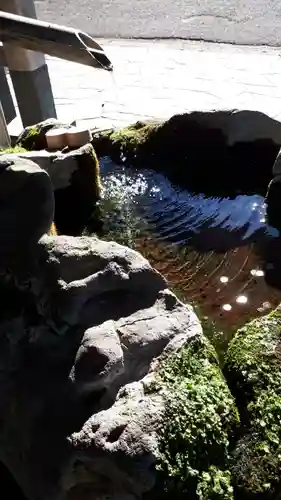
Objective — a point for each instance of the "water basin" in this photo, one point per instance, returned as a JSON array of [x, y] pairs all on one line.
[[217, 253]]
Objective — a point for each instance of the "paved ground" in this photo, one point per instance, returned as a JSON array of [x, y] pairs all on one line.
[[158, 79], [234, 21]]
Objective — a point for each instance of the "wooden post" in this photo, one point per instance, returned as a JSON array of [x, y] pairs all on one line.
[[6, 97], [5, 141], [29, 72]]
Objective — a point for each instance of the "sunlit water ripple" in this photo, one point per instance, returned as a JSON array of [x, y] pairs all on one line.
[[219, 268], [180, 217]]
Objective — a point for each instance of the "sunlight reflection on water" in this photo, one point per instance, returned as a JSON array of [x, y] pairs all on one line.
[[204, 246]]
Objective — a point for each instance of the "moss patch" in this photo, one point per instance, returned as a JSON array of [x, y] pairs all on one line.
[[253, 371], [198, 424], [127, 141], [218, 338], [30, 138], [53, 230], [33, 137], [130, 139], [15, 150]]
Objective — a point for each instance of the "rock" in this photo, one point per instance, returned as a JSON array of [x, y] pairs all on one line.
[[150, 423], [49, 160], [273, 203], [33, 137], [76, 204], [99, 360], [108, 388], [253, 371], [27, 205], [276, 169], [198, 424], [119, 445], [91, 348], [76, 180], [218, 152], [272, 198], [9, 485]]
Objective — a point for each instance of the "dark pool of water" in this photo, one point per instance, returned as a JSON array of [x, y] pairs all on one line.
[[219, 252]]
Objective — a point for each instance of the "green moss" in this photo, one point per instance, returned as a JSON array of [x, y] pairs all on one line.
[[253, 371], [96, 166], [33, 137], [198, 424], [29, 140], [133, 136], [218, 338], [127, 142], [15, 150], [87, 176], [252, 352], [34, 130]]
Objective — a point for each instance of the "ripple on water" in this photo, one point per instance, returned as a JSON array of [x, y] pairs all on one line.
[[207, 247]]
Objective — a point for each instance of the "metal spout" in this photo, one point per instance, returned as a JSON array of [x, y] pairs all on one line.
[[52, 39]]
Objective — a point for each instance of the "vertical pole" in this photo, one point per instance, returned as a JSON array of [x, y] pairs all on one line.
[[29, 72], [5, 141], [6, 97]]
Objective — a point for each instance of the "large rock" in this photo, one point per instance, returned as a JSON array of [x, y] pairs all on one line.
[[253, 370], [90, 378], [108, 388], [218, 152], [75, 177], [273, 195], [181, 421], [27, 206], [92, 320], [273, 203], [76, 203]]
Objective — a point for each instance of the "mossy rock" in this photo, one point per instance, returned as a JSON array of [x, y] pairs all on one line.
[[33, 138], [198, 425], [76, 205], [253, 371], [201, 151], [273, 204], [13, 150], [128, 140]]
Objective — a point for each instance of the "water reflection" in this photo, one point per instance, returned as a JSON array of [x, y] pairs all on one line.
[[215, 252]]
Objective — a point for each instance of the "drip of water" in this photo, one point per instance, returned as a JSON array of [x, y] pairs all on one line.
[[115, 98], [115, 87]]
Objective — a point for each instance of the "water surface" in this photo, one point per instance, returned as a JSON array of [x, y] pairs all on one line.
[[214, 252]]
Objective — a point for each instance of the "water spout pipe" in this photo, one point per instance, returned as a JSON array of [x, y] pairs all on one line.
[[52, 39]]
